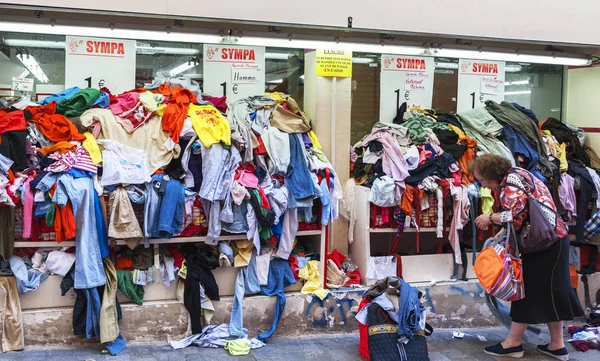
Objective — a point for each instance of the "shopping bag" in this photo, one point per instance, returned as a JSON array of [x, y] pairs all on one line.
[[499, 269]]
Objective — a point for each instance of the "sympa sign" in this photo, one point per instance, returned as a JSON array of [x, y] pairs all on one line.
[[405, 79], [99, 62], [478, 81], [233, 71]]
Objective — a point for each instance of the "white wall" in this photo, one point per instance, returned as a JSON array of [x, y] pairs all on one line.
[[581, 101], [540, 20]]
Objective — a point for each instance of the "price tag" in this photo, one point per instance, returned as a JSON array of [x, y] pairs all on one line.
[[233, 71], [22, 84], [99, 62], [478, 81], [404, 79]]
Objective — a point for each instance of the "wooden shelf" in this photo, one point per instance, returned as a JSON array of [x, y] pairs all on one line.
[[228, 237]]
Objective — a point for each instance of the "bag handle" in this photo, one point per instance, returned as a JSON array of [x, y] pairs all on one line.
[[511, 235]]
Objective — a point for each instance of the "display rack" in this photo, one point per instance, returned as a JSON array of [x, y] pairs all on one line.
[[416, 268]]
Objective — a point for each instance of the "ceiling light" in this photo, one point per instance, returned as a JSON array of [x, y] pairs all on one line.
[[26, 43], [515, 57], [518, 92], [363, 60], [146, 49], [32, 65], [446, 65], [277, 56], [512, 68], [518, 82], [183, 67], [276, 81]]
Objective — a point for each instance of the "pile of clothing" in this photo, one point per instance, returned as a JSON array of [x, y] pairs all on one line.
[[584, 338], [425, 154], [91, 166], [392, 322]]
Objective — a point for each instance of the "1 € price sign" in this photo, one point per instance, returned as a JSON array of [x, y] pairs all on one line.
[[405, 79], [100, 62], [233, 71], [478, 81]]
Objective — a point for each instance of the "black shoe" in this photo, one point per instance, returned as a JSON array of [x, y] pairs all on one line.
[[560, 354], [498, 350]]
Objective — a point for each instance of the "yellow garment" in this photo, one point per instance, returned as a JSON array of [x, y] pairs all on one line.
[[564, 165], [244, 248], [210, 125], [487, 201], [314, 139], [91, 146], [313, 284], [151, 101], [160, 111], [279, 97], [457, 130]]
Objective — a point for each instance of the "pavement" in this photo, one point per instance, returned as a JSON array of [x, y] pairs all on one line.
[[322, 347]]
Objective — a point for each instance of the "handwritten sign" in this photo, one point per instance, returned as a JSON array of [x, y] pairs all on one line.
[[334, 63], [233, 71], [478, 81], [22, 84], [100, 62], [404, 79], [492, 85]]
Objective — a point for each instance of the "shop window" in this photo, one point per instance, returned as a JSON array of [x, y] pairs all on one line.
[[37, 57], [534, 86]]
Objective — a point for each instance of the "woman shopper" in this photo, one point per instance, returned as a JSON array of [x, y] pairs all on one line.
[[549, 296]]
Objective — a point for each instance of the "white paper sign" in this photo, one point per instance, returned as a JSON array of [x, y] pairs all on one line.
[[99, 62], [234, 71], [492, 85], [478, 81], [404, 79], [22, 84]]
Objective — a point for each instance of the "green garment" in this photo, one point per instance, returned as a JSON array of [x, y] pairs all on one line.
[[417, 125], [487, 201], [51, 215], [80, 102], [481, 126], [131, 290]]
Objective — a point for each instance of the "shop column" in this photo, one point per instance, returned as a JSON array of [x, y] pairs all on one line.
[[327, 101]]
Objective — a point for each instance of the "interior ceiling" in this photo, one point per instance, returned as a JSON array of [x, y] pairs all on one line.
[[278, 29]]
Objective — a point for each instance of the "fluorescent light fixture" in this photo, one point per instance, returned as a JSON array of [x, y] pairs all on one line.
[[32, 65], [512, 68], [146, 49], [183, 67], [518, 82], [26, 43], [277, 56], [514, 57], [363, 60], [276, 81], [446, 65], [377, 48], [518, 92]]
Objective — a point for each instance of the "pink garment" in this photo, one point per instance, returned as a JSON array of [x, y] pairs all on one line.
[[459, 219], [394, 164], [124, 102], [566, 194], [27, 209], [424, 154], [247, 178], [134, 118], [79, 159], [457, 176]]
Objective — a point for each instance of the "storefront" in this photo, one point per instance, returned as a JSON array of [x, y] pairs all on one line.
[[343, 74]]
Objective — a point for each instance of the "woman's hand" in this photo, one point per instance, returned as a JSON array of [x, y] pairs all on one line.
[[483, 221]]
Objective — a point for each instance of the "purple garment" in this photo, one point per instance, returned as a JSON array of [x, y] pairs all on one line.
[[307, 142], [394, 164], [566, 194]]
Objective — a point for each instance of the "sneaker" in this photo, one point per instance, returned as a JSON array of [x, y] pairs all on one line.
[[498, 350], [560, 354]]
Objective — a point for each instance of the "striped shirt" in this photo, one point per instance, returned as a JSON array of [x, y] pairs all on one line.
[[79, 159]]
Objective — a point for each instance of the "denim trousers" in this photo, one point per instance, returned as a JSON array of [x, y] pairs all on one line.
[[89, 271], [246, 283]]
